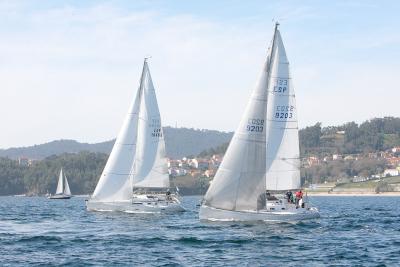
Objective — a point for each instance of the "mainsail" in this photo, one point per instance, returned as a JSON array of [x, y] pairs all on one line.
[[261, 142], [138, 155]]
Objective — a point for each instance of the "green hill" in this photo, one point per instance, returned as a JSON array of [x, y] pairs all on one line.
[[179, 142]]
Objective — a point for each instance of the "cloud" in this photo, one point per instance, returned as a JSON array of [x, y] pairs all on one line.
[[70, 71]]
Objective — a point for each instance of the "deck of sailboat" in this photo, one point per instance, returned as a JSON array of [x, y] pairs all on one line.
[[139, 204], [292, 215]]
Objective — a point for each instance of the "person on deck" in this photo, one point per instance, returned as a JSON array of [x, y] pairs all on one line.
[[299, 195], [289, 195], [168, 194]]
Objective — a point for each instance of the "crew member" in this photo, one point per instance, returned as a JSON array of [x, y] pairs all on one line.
[[299, 195]]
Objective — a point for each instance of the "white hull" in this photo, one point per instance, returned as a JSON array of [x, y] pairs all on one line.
[[137, 205], [213, 214], [61, 196]]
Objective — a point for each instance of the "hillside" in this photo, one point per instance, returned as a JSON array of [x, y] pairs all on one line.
[[373, 135], [180, 142]]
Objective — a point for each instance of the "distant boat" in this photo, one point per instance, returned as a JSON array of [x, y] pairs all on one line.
[[262, 162], [63, 191], [135, 178]]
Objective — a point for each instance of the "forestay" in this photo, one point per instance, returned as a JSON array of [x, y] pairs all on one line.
[[283, 156], [115, 182]]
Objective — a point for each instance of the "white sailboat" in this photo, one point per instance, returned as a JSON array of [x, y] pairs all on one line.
[[135, 178], [263, 159], [62, 191]]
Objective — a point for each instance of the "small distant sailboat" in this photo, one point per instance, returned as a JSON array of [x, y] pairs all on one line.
[[63, 191], [263, 159], [135, 178]]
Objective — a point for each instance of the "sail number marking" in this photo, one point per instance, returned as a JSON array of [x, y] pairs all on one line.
[[156, 124], [280, 86], [284, 112], [255, 125], [156, 133]]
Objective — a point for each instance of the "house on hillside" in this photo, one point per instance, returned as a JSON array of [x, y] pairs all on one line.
[[173, 163], [337, 157], [391, 172], [373, 155], [311, 161], [350, 158], [396, 149], [393, 161], [209, 173]]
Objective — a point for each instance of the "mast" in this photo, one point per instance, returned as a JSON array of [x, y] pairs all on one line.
[[272, 55], [140, 93]]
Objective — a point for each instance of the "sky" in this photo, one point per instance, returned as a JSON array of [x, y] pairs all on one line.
[[69, 69]]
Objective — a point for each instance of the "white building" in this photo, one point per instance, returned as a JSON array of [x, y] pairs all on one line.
[[390, 172]]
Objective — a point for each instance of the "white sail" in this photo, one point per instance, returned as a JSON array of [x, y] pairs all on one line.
[[283, 156], [150, 168], [116, 180], [239, 183], [60, 185], [67, 191]]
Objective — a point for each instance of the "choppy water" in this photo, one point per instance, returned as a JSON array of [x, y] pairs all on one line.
[[353, 231]]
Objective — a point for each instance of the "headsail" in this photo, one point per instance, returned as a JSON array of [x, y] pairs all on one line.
[[67, 191], [150, 168], [60, 185], [283, 156], [116, 180]]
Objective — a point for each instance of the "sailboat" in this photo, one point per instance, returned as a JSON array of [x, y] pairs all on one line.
[[62, 191], [135, 178], [262, 161]]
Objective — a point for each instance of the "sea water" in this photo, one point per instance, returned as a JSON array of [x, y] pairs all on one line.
[[363, 231]]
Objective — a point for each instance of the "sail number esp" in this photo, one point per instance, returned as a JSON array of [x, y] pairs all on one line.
[[280, 86], [255, 125]]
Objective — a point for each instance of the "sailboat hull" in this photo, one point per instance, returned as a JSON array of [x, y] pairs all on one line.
[[137, 206], [59, 197], [213, 214]]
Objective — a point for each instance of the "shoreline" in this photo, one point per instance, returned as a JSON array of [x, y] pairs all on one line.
[[354, 194]]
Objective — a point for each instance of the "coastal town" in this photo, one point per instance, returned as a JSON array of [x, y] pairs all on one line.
[[197, 172], [194, 174]]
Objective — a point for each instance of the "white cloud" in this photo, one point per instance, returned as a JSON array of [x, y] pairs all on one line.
[[71, 72]]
